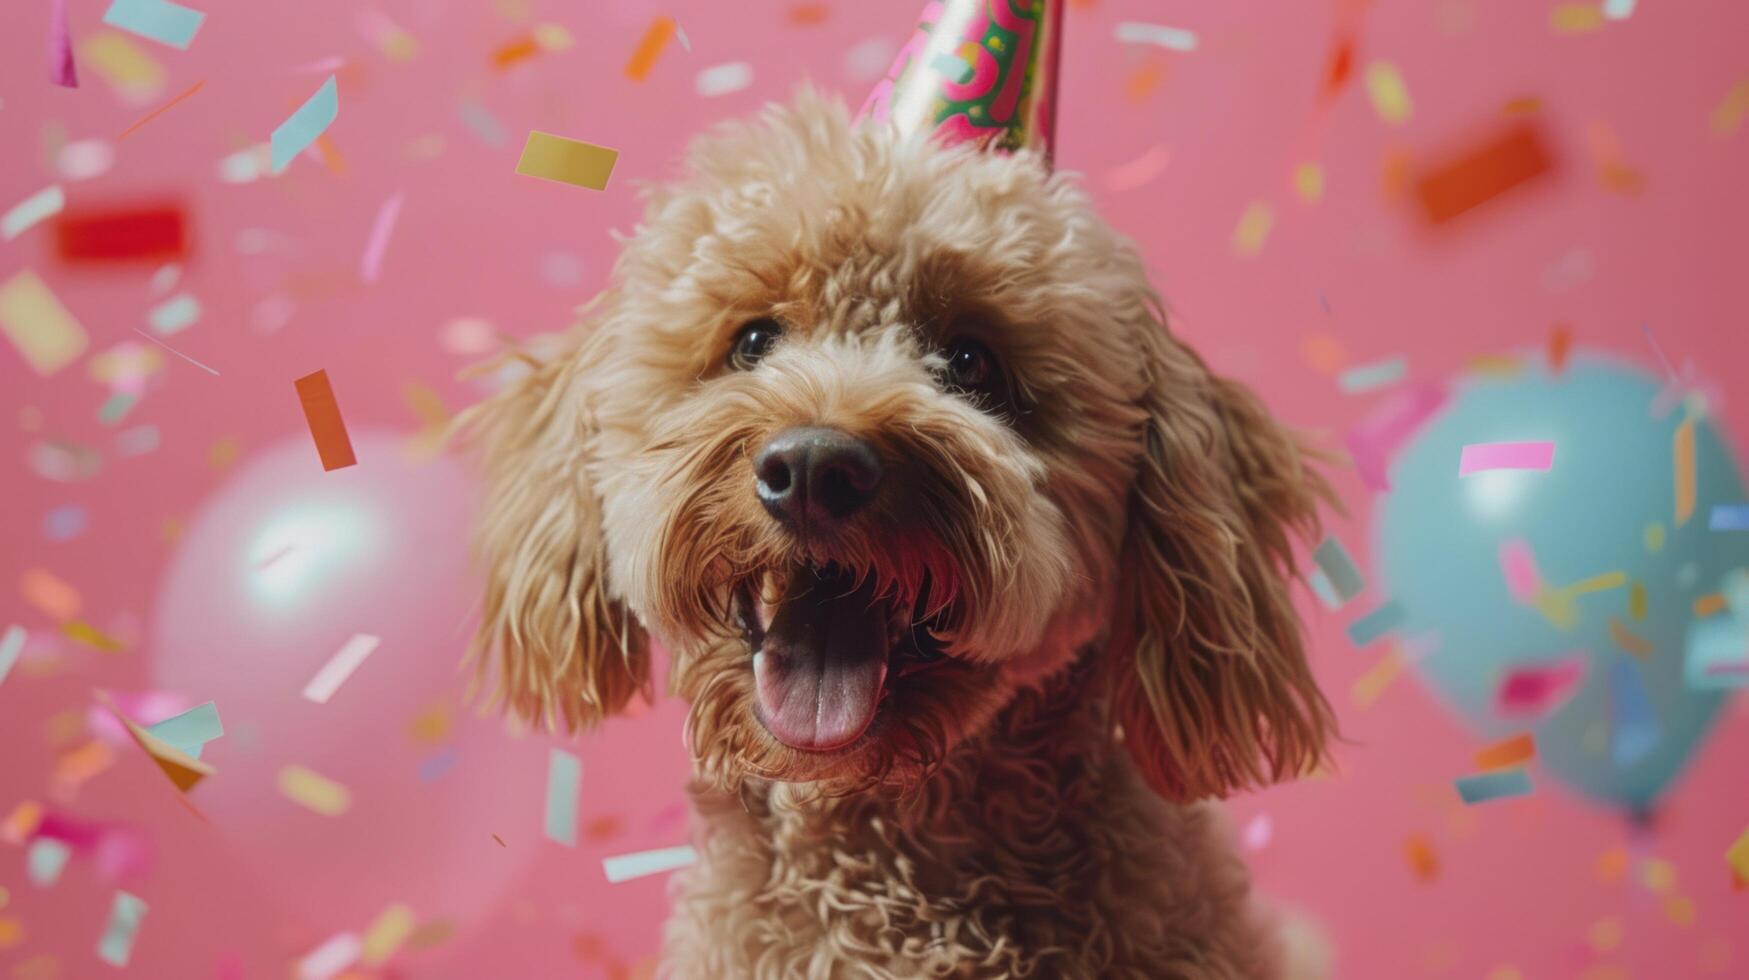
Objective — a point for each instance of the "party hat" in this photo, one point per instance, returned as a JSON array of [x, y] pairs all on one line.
[[977, 70]]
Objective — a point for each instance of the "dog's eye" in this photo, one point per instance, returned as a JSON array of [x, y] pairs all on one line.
[[753, 342], [969, 367]]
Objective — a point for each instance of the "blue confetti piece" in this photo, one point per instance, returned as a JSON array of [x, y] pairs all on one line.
[[564, 779], [1322, 589], [162, 21], [952, 67], [1385, 619], [44, 861], [1729, 517], [64, 523], [1366, 377], [125, 915], [301, 128], [1635, 733], [116, 407], [437, 765], [483, 123], [1339, 569], [1502, 785], [191, 730], [11, 645], [625, 867]]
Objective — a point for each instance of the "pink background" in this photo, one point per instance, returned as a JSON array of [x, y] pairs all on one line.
[[1516, 887]]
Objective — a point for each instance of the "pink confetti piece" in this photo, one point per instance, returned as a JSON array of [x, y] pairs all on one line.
[[1538, 690], [62, 70], [1518, 565], [371, 265], [1375, 441], [1480, 457], [339, 667]]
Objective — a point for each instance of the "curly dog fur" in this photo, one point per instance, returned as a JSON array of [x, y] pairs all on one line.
[[1102, 560]]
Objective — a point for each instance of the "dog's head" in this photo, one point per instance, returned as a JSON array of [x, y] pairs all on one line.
[[873, 433]]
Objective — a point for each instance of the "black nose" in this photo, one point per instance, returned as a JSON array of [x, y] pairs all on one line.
[[815, 475]]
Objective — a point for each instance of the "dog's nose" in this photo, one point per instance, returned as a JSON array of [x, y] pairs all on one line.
[[815, 475]]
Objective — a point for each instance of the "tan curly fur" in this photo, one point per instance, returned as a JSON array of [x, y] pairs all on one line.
[[1108, 560]]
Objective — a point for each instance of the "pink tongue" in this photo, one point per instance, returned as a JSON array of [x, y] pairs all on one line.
[[820, 668]]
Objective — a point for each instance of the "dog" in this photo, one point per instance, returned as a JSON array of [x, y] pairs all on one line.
[[975, 578]]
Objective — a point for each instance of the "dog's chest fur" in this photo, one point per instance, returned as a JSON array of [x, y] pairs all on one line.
[[1037, 851]]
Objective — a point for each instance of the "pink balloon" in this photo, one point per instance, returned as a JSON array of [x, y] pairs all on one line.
[[280, 569]]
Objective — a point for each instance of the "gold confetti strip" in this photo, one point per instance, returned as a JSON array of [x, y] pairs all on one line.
[[32, 317], [314, 791], [1372, 685], [384, 937], [567, 161], [1576, 18], [1253, 229], [1389, 93]]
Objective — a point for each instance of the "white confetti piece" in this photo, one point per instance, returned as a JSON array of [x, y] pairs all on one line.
[[724, 79], [174, 315], [45, 203], [1171, 38], [339, 667]]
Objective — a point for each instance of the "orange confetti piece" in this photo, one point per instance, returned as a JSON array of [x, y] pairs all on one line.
[[76, 766], [327, 428], [1710, 604], [1324, 353], [808, 14], [1341, 67], [1729, 113], [42, 589], [1628, 640], [511, 52], [1422, 859], [1509, 160], [1682, 453], [182, 769], [1560, 345], [650, 48], [1147, 77], [1507, 753], [330, 155], [1522, 106], [1611, 865], [1738, 856], [155, 113], [1372, 685]]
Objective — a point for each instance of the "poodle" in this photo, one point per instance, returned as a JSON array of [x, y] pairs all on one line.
[[974, 578]]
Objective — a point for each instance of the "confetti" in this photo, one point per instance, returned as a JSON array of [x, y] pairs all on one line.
[[1618, 9], [153, 233], [1717, 654], [189, 731], [1506, 753], [117, 942], [38, 207], [1635, 732], [159, 20], [1560, 344], [1728, 115], [386, 934], [431, 725], [1389, 94], [1630, 641], [1538, 690], [178, 353], [1637, 600], [11, 645], [45, 860], [155, 113], [62, 70], [89, 635], [499, 841], [43, 332], [44, 590], [1737, 856], [511, 52], [434, 767], [1338, 571], [1385, 619], [1709, 604], [1423, 861], [1486, 787], [1309, 182], [568, 161], [1508, 160], [1518, 567], [1376, 440], [1575, 18], [1135, 173], [723, 79], [340, 667], [564, 780], [1253, 229], [482, 123], [183, 770], [650, 48], [1682, 460], [313, 791], [327, 960], [625, 867], [85, 159], [394, 42], [301, 128], [174, 315], [1482, 457], [1729, 517], [128, 69], [371, 264], [327, 428], [1257, 832], [1170, 38], [1367, 377]]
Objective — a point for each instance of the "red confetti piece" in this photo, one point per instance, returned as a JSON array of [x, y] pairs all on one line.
[[327, 428], [146, 233], [1513, 158]]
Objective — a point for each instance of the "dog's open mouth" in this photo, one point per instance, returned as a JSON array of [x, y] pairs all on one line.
[[826, 648]]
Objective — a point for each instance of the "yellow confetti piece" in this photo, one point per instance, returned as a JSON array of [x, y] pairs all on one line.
[[123, 64], [1576, 18], [425, 403], [314, 791], [1309, 182], [1682, 458], [1637, 601], [1654, 537], [431, 725], [223, 453], [553, 37], [391, 928], [1506, 753], [1657, 875], [1605, 935], [91, 636], [1710, 604], [1729, 113], [33, 319], [567, 161], [1253, 229], [1738, 857], [1372, 684], [20, 824], [1389, 93], [1598, 583]]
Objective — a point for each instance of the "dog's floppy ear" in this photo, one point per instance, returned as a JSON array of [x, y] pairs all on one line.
[[563, 649], [1212, 687]]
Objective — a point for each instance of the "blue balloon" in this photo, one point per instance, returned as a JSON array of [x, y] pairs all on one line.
[[1607, 504]]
